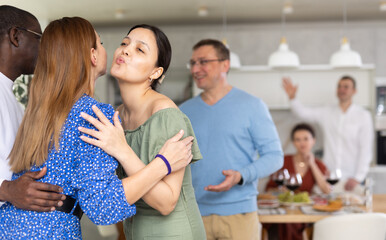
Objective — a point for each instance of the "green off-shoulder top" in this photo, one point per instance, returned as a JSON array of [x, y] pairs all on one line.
[[146, 141]]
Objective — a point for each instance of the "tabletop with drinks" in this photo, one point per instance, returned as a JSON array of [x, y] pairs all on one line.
[[284, 206]]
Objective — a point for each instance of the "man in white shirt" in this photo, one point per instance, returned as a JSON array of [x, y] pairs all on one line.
[[347, 129], [20, 35]]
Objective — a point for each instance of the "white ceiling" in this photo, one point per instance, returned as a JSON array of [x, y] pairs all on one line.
[[101, 12]]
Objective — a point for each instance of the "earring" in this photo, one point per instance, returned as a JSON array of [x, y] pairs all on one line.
[[161, 79]]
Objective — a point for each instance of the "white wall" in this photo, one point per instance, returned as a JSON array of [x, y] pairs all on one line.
[[314, 42]]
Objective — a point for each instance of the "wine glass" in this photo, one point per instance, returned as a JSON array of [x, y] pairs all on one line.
[[333, 177], [293, 182], [279, 177]]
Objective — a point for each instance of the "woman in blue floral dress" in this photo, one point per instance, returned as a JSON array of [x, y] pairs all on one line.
[[70, 60]]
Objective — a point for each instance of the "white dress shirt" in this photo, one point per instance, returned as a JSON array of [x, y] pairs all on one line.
[[348, 137], [11, 114]]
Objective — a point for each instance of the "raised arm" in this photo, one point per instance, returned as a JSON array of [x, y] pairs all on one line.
[[305, 113], [289, 88]]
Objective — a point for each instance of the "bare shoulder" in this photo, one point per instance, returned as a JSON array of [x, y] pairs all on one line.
[[162, 102]]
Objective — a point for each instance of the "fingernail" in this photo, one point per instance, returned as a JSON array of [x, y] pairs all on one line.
[[64, 197], [60, 203], [52, 209], [82, 114]]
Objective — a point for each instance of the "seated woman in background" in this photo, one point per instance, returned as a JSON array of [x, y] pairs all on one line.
[[303, 162], [312, 171]]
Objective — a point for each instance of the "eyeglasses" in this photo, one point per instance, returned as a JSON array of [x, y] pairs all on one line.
[[202, 62], [39, 35]]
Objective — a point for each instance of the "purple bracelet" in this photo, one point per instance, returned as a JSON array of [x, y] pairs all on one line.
[[165, 161]]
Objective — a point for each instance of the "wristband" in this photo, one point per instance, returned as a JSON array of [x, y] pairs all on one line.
[[165, 161]]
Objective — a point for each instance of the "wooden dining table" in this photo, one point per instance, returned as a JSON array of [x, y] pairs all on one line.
[[297, 216]]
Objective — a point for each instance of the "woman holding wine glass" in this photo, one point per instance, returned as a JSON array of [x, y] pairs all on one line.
[[305, 172]]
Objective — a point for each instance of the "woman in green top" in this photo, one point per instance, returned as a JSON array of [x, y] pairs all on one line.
[[169, 210]]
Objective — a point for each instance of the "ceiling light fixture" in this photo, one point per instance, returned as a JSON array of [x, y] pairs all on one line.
[[288, 9], [382, 6], [234, 58], [283, 58], [345, 57], [203, 11], [120, 13]]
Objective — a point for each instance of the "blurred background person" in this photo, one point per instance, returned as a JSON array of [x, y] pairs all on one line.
[[231, 127], [347, 131], [312, 171]]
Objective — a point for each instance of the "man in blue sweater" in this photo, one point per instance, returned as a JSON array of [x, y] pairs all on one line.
[[238, 141]]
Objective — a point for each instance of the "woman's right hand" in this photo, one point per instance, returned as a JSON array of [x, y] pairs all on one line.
[[178, 152], [109, 137]]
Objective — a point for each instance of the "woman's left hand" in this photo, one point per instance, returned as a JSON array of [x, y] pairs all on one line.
[[110, 138]]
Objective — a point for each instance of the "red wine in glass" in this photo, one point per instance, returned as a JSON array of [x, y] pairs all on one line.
[[279, 177], [333, 178], [293, 182], [292, 187], [332, 181], [279, 182]]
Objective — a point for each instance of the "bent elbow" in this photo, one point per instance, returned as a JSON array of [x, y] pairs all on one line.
[[167, 209]]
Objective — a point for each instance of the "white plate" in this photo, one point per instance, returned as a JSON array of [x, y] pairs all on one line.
[[296, 204], [268, 203]]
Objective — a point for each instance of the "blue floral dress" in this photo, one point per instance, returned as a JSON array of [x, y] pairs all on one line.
[[85, 172]]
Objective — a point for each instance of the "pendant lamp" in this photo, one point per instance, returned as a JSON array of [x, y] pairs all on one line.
[[283, 58], [345, 57], [234, 58]]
